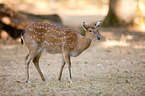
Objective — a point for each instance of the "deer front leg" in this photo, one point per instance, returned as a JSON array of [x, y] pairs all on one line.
[[69, 67], [65, 60], [62, 66], [68, 62]]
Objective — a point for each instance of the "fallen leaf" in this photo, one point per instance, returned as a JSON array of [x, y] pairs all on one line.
[[18, 81], [85, 82], [125, 71], [129, 89], [86, 62], [69, 86], [126, 81]]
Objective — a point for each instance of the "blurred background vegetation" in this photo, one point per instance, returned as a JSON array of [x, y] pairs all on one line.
[[70, 13]]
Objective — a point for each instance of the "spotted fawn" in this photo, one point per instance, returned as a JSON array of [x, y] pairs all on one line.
[[41, 36]]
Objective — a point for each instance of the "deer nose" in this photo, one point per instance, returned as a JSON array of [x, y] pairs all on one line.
[[98, 37]]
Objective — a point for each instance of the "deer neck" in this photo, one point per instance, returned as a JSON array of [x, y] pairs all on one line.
[[85, 42]]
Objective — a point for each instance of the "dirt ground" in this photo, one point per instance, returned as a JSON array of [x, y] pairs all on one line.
[[114, 66], [108, 68]]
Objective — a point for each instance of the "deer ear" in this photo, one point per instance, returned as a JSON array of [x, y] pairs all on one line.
[[85, 25], [98, 23]]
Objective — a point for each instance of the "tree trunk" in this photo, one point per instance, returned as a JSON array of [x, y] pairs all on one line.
[[14, 23], [124, 13]]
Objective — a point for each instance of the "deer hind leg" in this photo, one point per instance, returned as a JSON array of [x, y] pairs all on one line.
[[36, 63], [62, 66], [29, 57]]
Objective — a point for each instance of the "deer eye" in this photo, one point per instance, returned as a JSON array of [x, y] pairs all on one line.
[[90, 30]]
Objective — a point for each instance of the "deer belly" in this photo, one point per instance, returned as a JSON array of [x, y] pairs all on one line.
[[74, 53], [53, 49]]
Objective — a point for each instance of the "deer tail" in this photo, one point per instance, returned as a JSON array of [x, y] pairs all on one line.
[[22, 40]]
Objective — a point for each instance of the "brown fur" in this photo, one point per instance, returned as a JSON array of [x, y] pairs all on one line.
[[56, 39]]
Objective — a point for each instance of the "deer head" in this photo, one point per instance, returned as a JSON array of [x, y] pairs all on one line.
[[92, 32]]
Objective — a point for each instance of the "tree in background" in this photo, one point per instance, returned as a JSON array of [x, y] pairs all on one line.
[[124, 13]]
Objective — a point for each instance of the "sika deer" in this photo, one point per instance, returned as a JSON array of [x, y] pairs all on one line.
[[55, 39]]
